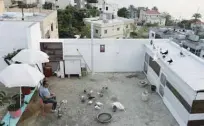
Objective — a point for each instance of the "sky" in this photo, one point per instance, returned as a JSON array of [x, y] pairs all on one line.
[[177, 8]]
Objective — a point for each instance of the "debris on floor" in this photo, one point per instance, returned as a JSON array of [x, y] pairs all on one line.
[[131, 76], [114, 98], [145, 96]]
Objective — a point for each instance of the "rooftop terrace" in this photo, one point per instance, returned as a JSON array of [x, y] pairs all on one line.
[[137, 113], [189, 68], [15, 14]]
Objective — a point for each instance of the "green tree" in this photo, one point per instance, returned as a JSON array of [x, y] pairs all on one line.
[[86, 32], [197, 16], [168, 17], [155, 8], [185, 24], [70, 22], [48, 5], [123, 12]]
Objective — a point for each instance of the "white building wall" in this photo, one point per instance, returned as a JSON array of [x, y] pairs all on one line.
[[20, 37], [119, 56], [34, 36], [175, 107], [112, 31], [30, 1]]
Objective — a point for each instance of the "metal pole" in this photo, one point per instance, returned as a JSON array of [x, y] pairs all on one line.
[[22, 13], [92, 50], [20, 96]]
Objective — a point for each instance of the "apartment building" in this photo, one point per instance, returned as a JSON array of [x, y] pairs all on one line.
[[111, 27], [47, 18], [2, 8], [102, 5], [152, 16]]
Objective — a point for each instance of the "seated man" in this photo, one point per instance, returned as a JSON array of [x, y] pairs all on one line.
[[48, 97]]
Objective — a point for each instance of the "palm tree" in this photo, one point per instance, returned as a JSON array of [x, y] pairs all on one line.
[[197, 16], [155, 8]]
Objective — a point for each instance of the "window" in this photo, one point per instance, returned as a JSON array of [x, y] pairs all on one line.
[[100, 9], [192, 50], [197, 106], [161, 90], [118, 29], [96, 31], [184, 46], [57, 6], [145, 68], [178, 96], [198, 52], [105, 31], [126, 26], [106, 8], [102, 48], [146, 58], [52, 27], [163, 79], [154, 65]]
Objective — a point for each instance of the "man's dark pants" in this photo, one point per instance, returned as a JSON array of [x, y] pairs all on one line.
[[51, 100]]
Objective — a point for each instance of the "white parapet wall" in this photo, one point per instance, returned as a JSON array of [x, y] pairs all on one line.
[[125, 55]]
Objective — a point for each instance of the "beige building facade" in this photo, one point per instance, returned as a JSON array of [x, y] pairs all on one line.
[[2, 7], [47, 19], [116, 28]]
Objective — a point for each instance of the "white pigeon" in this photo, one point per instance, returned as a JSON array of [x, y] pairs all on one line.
[[91, 91], [90, 102], [97, 107], [99, 104], [119, 106]]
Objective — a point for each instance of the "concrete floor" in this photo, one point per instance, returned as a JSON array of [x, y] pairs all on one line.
[[137, 113]]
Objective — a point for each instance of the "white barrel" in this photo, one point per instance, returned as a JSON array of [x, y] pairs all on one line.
[[145, 96]]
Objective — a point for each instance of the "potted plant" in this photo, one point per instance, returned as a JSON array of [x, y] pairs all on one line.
[[32, 88], [2, 123], [4, 98], [9, 56], [14, 110], [16, 98], [26, 90]]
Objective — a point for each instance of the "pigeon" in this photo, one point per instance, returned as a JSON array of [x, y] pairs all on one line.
[[181, 54], [99, 104], [85, 91], [151, 42], [97, 107], [91, 97], [114, 108], [83, 99], [165, 53], [170, 61], [90, 102]]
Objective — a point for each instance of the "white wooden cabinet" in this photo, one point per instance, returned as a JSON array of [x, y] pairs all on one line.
[[73, 67]]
